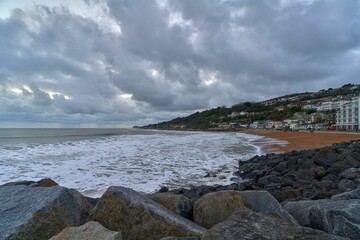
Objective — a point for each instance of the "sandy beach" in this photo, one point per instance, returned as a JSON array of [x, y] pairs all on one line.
[[301, 140]]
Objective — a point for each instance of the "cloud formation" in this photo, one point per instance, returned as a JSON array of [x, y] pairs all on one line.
[[138, 62]]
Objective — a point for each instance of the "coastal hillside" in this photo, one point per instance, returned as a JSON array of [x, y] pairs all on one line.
[[243, 114]]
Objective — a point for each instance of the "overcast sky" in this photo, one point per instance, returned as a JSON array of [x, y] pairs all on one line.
[[116, 63]]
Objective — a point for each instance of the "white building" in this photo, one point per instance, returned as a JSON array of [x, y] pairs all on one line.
[[328, 106], [348, 116]]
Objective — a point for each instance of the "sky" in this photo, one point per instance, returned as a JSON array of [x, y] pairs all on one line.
[[119, 63]]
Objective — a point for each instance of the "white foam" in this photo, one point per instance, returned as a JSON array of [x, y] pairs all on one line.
[[141, 162]]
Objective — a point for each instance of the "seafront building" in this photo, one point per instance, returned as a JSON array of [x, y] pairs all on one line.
[[348, 116]]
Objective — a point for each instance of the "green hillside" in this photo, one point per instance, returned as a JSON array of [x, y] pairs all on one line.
[[276, 109]]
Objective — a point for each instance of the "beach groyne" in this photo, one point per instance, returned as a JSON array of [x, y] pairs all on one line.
[[311, 194]]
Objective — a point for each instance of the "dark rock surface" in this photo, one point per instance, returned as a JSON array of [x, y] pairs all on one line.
[[249, 225], [309, 174], [39, 212], [355, 194], [137, 217], [264, 202], [46, 182], [180, 238], [339, 217]]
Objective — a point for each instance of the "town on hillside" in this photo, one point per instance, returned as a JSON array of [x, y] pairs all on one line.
[[332, 109]]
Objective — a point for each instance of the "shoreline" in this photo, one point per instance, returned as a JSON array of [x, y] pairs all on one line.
[[290, 141]]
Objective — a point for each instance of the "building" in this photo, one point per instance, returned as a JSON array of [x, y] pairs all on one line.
[[348, 116], [328, 106]]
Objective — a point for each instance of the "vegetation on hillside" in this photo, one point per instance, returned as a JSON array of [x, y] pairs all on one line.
[[276, 109]]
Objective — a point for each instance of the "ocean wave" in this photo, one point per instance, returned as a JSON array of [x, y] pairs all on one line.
[[142, 161]]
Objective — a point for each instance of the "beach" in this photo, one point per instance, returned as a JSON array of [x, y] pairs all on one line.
[[301, 140]]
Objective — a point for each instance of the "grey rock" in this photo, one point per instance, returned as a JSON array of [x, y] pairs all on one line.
[[346, 185], [305, 163], [286, 195], [39, 213], [355, 194], [338, 167], [137, 217], [25, 183], [350, 173], [249, 225], [180, 238], [341, 217], [262, 201], [89, 231], [46, 182], [325, 185]]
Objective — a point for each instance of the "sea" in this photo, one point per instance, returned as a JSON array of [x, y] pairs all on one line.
[[91, 160]]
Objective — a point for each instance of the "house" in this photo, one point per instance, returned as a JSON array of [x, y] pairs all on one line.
[[311, 106], [318, 117], [291, 123], [257, 124], [234, 114]]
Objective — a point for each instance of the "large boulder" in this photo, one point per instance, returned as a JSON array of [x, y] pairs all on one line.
[[175, 202], [46, 182], [341, 217], [180, 238], [355, 194], [41, 212], [216, 207], [249, 225], [89, 231], [263, 201], [137, 217]]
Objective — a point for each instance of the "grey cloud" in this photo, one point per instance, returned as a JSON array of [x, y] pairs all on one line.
[[79, 72]]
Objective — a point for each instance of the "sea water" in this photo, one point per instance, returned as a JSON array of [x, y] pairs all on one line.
[[91, 160]]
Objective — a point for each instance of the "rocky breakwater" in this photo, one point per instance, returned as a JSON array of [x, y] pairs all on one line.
[[39, 210], [320, 188], [309, 174]]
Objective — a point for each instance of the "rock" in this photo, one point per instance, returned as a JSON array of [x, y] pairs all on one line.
[[89, 231], [325, 185], [351, 173], [320, 195], [325, 157], [320, 172], [137, 217], [346, 185], [176, 203], [25, 183], [338, 167], [215, 207], [163, 189], [262, 201], [39, 213], [180, 238], [92, 201], [46, 182], [249, 225], [355, 194], [286, 194], [305, 163], [340, 217]]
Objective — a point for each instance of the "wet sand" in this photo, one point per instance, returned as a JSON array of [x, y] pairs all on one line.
[[300, 140]]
